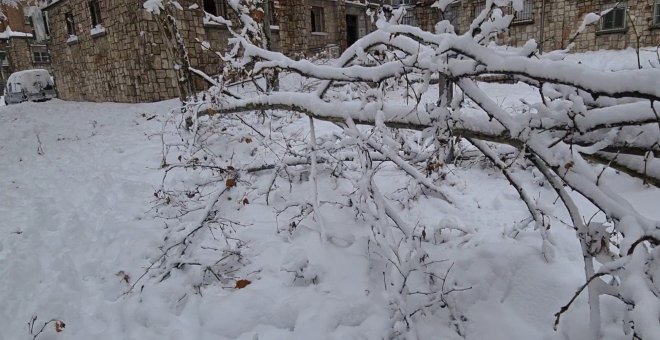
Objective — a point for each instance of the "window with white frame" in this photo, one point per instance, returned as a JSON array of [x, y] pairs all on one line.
[[656, 13], [615, 19], [70, 24], [318, 22], [3, 59], [527, 13], [452, 14], [46, 24], [40, 55], [272, 13], [408, 17], [95, 12], [478, 9], [216, 8]]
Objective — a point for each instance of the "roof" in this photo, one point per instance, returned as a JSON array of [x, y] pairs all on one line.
[[50, 3], [24, 72], [8, 33], [32, 80]]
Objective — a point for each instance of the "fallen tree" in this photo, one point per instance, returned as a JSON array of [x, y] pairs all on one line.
[[586, 122]]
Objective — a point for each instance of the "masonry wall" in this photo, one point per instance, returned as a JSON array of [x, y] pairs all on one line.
[[295, 29], [562, 18], [565, 16], [129, 62], [19, 54]]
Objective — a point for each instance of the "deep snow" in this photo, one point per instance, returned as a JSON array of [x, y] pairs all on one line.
[[77, 208]]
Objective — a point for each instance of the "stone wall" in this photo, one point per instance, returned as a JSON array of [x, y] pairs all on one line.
[[128, 62], [19, 54], [562, 18], [295, 26], [565, 17]]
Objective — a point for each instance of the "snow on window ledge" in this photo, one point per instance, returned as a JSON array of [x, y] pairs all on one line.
[[522, 22], [275, 27], [612, 31], [73, 39], [319, 33], [97, 31], [215, 21]]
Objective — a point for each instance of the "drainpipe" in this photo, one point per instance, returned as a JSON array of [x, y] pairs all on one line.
[[542, 36]]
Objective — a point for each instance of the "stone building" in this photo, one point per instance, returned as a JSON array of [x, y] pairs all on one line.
[[113, 50], [23, 41], [553, 23]]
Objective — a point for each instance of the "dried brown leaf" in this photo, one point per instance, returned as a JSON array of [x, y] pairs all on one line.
[[242, 283], [59, 326]]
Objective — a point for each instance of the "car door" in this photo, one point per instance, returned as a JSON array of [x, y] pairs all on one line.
[[14, 93]]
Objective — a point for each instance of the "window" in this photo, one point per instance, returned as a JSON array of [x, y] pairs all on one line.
[[318, 24], [452, 14], [41, 57], [46, 24], [3, 59], [70, 24], [409, 16], [614, 19], [272, 13], [95, 12], [656, 13], [216, 8], [527, 14], [478, 9]]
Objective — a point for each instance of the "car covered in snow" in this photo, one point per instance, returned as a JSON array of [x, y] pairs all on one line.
[[29, 85]]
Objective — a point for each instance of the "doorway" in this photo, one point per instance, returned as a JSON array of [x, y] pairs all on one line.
[[352, 29]]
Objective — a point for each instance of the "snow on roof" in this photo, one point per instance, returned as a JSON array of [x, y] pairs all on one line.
[[31, 71], [8, 33], [31, 80], [48, 3]]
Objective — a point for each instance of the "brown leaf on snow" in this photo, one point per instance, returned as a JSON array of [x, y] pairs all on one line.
[[230, 183], [248, 140], [59, 326], [245, 201], [123, 276], [242, 283]]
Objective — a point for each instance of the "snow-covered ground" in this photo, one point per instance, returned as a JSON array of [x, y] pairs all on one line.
[[81, 220]]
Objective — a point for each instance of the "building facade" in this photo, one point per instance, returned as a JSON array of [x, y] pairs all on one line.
[[553, 23], [23, 41], [114, 50]]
